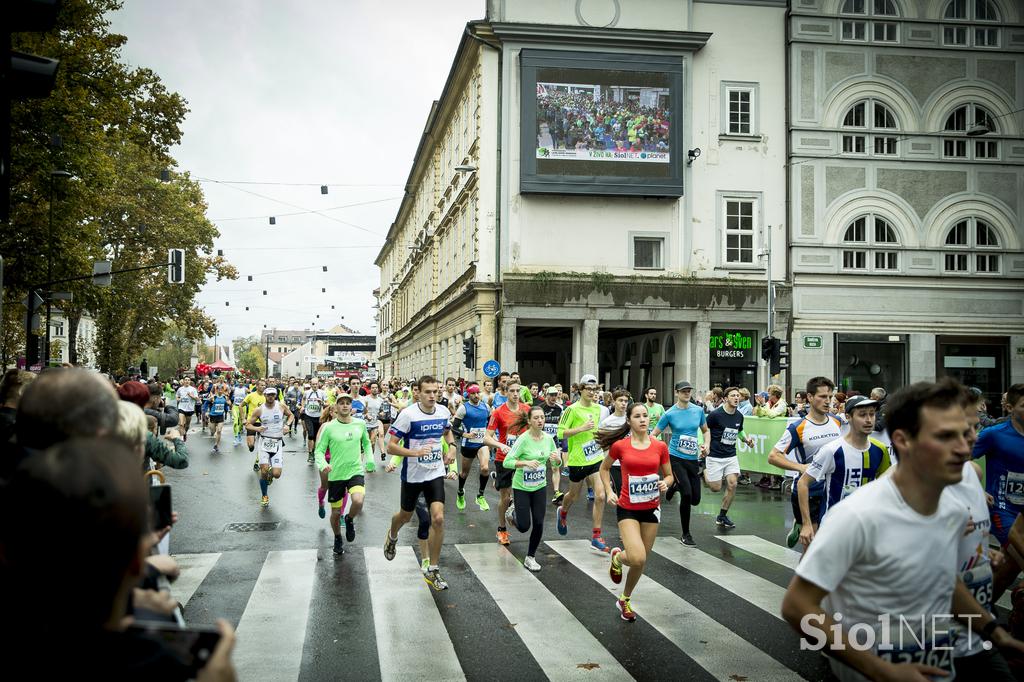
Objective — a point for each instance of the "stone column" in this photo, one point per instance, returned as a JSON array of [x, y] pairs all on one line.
[[700, 367], [507, 354], [588, 347]]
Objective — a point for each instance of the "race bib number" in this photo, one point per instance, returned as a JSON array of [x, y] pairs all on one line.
[[643, 488], [475, 437], [216, 409], [686, 445], [1014, 488], [270, 445], [551, 430], [433, 458], [510, 440], [313, 408], [592, 451], [535, 476], [979, 581], [938, 654], [729, 436]]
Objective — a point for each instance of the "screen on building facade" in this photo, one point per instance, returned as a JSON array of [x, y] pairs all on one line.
[[601, 123]]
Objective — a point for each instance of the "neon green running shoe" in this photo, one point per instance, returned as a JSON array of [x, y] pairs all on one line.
[[460, 501], [424, 565], [481, 502], [794, 535], [370, 466]]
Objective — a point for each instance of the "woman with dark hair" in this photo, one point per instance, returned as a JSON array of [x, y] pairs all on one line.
[[10, 393], [646, 473], [530, 454]]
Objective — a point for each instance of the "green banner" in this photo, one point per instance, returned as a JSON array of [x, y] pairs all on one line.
[[766, 433]]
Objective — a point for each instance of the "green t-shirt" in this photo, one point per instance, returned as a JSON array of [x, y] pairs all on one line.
[[525, 396], [345, 442], [654, 413], [583, 449], [526, 449]]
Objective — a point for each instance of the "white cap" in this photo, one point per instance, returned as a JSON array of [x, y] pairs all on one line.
[[588, 379]]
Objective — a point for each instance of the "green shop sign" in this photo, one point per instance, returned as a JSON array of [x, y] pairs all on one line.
[[732, 347]]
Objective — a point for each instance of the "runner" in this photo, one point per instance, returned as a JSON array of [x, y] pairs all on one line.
[[293, 399], [578, 427], [313, 403], [348, 441], [620, 402], [451, 398], [359, 412], [902, 527], [251, 403], [529, 457], [553, 415], [844, 464], [470, 423], [487, 394], [416, 436], [501, 436], [218, 408], [187, 396], [385, 415], [725, 425], [238, 394], [654, 408], [326, 415], [372, 404], [205, 391], [800, 442], [684, 420], [1002, 446], [645, 468], [272, 416], [500, 393]]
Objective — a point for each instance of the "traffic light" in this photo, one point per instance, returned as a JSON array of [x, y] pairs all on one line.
[[766, 348], [175, 266], [469, 352], [779, 358]]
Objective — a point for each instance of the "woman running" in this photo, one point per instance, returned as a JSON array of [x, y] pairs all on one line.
[[646, 473], [530, 455]]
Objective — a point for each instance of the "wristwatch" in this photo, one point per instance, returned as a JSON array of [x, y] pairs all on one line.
[[986, 632]]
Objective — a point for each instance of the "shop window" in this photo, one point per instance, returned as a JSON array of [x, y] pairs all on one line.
[[864, 361]]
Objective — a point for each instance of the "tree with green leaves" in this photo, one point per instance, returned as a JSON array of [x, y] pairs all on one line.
[[253, 361]]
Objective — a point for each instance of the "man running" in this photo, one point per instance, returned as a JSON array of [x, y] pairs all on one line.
[[371, 415], [553, 415], [725, 425], [579, 428], [251, 403], [684, 420], [238, 394], [313, 403], [359, 412], [293, 399], [800, 442], [416, 436], [470, 422], [272, 416], [654, 408], [502, 431], [451, 398], [500, 395], [218, 408], [348, 441], [187, 396]]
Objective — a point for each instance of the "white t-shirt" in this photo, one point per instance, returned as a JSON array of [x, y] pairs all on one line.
[[610, 423], [313, 403], [417, 429], [371, 408], [187, 397], [238, 395], [877, 557], [972, 554], [801, 440]]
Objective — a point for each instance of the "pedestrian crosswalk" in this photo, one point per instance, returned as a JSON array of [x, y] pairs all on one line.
[[701, 616]]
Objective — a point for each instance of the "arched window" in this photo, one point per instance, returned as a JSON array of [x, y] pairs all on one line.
[[876, 125], [962, 34], [870, 243], [963, 121], [879, 30], [971, 234]]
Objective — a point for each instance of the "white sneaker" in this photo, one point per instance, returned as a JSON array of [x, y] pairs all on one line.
[[531, 564], [510, 513]]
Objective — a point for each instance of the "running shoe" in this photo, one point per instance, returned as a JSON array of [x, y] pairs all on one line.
[[615, 568], [590, 494], [725, 522], [265, 502], [434, 579], [321, 511], [390, 546], [510, 513], [256, 466], [794, 535], [743, 480], [687, 540], [425, 566], [502, 536], [598, 545], [309, 459], [370, 466], [562, 523], [481, 502], [339, 545], [625, 609], [557, 499], [460, 501], [531, 564], [350, 529]]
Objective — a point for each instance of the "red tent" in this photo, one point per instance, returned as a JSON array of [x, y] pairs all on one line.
[[220, 365]]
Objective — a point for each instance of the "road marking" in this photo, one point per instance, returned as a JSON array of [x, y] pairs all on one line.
[[764, 549], [539, 618], [716, 648], [194, 569], [412, 641], [273, 626], [763, 594]]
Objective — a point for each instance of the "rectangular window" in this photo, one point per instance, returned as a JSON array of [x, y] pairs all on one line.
[[886, 260], [987, 262], [954, 35], [885, 146], [647, 253], [885, 31], [740, 111], [956, 262], [954, 149], [854, 30], [986, 37], [853, 144], [855, 260], [739, 231], [58, 330], [986, 149]]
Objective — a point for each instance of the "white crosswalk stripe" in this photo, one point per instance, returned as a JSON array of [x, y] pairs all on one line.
[[765, 549], [194, 569], [713, 646]]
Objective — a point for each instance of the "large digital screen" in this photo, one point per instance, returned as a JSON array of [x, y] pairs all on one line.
[[601, 123]]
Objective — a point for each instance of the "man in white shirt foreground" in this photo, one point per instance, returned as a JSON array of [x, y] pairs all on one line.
[[878, 586]]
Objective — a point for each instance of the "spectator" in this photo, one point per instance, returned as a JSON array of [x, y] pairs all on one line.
[[171, 449], [745, 408], [984, 418], [131, 427], [11, 386], [839, 403], [772, 405], [156, 406], [96, 482], [879, 395]]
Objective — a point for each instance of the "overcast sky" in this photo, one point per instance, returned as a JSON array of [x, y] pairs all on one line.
[[296, 91]]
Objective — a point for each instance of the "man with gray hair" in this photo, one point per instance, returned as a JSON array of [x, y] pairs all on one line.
[[879, 394], [62, 404]]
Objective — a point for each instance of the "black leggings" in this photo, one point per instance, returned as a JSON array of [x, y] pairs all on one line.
[[686, 473], [531, 505], [423, 514]]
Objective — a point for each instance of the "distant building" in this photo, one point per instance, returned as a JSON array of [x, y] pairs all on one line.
[[59, 339]]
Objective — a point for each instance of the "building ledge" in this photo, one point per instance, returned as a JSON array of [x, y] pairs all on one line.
[[605, 37]]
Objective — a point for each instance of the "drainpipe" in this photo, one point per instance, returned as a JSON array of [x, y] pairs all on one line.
[[788, 190]]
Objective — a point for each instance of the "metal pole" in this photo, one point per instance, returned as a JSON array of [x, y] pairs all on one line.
[[49, 278], [771, 293]]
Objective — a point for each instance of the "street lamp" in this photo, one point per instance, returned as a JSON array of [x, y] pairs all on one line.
[[49, 267]]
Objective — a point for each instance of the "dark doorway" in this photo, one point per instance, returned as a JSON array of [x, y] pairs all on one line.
[[976, 361], [544, 354]]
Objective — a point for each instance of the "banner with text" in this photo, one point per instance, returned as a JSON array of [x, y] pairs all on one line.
[[766, 433]]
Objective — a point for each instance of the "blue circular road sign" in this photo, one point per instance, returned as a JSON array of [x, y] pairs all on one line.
[[492, 368]]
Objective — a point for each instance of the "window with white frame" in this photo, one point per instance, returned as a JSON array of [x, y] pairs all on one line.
[[970, 17], [869, 20], [648, 253], [741, 217], [739, 108], [870, 127], [972, 246], [871, 243], [960, 123]]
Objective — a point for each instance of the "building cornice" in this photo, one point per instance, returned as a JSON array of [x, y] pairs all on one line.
[[551, 34]]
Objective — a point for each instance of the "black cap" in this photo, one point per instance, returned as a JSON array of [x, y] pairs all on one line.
[[683, 385]]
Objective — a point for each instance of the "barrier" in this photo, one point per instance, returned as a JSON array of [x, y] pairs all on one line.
[[766, 433]]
